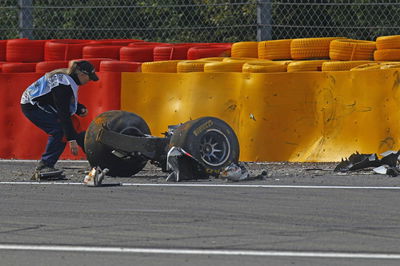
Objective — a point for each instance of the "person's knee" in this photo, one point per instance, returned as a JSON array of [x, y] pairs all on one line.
[[80, 139], [57, 133]]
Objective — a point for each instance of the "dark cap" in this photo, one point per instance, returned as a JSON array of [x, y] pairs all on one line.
[[87, 68]]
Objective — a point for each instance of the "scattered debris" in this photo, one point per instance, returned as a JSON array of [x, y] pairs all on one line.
[[387, 170], [235, 172], [95, 177], [239, 172], [388, 164], [183, 166]]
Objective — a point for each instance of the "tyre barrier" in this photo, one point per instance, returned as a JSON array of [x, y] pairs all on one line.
[[18, 67], [3, 46], [1, 66], [136, 44], [257, 67], [24, 50], [242, 59], [199, 52], [170, 52], [94, 61], [342, 65], [224, 66], [387, 65], [388, 42], [47, 66], [67, 49], [169, 66], [310, 48], [137, 53], [117, 42], [213, 59], [245, 49], [376, 66], [347, 50], [101, 51], [387, 55], [312, 65], [191, 66], [120, 66], [274, 50]]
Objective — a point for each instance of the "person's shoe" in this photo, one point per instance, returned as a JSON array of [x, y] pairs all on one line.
[[48, 170], [40, 166], [43, 171]]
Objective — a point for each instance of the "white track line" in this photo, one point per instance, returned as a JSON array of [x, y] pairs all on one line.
[[35, 161], [202, 252], [202, 185]]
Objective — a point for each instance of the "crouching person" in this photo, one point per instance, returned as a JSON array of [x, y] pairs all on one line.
[[50, 102]]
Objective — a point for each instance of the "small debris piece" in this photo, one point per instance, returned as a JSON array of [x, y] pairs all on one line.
[[95, 177], [235, 172], [184, 166], [388, 164]]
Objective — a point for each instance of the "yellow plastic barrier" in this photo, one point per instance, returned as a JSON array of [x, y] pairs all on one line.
[[299, 116]]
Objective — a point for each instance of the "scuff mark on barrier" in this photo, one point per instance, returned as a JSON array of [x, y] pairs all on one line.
[[396, 82], [292, 143], [388, 142]]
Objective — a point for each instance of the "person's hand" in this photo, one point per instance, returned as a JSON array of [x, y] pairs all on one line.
[[84, 112], [73, 147]]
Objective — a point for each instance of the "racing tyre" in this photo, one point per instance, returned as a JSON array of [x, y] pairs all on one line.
[[210, 140], [101, 155]]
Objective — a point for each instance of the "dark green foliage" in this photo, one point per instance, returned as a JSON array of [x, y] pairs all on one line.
[[201, 20]]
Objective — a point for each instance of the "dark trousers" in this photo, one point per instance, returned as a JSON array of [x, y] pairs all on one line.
[[48, 121]]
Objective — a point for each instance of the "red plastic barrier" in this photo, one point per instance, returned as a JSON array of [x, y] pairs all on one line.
[[23, 50], [101, 51], [18, 67], [3, 46], [47, 66], [120, 66], [66, 49], [20, 139], [208, 51]]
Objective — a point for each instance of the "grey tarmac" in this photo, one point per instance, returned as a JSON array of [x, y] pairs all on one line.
[[301, 214]]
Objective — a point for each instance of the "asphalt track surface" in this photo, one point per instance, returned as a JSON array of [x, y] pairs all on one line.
[[301, 214]]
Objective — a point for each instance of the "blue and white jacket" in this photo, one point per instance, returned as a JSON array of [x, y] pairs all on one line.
[[45, 84]]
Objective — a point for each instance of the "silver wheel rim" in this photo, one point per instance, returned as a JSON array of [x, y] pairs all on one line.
[[214, 148]]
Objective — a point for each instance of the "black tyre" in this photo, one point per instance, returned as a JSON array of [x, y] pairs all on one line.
[[99, 154], [210, 140]]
